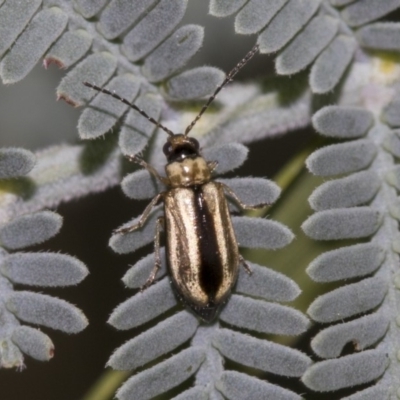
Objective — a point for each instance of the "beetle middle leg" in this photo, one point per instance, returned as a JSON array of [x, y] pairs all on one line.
[[234, 196], [157, 264], [144, 216]]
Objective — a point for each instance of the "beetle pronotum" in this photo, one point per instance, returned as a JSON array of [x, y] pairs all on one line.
[[202, 252]]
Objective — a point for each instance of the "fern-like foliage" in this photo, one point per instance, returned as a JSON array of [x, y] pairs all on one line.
[[360, 205], [139, 49], [33, 269], [362, 202], [62, 33]]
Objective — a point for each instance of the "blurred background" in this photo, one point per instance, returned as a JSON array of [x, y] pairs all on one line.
[[30, 117]]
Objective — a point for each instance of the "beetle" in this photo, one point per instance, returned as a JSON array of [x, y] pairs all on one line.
[[201, 248]]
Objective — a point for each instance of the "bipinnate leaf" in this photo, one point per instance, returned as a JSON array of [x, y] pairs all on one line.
[[15, 162], [33, 343], [96, 68], [30, 229], [68, 49], [347, 262], [174, 53], [43, 269], [381, 35], [237, 386], [261, 354], [47, 311], [162, 377], [331, 64], [102, 112], [89, 8], [153, 28], [12, 356], [362, 333], [260, 316], [256, 14], [342, 158], [41, 32], [378, 391], [118, 16], [100, 41], [14, 16], [286, 24], [137, 130], [137, 275], [343, 223], [267, 284], [144, 306], [392, 142], [194, 83], [253, 191], [123, 243], [261, 233], [161, 339], [224, 8], [346, 371], [391, 113], [349, 300], [229, 156], [141, 185], [393, 177], [342, 122], [306, 45], [353, 190], [340, 3], [361, 12], [194, 393]]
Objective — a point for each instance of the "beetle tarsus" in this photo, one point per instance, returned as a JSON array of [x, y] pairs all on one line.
[[157, 264], [150, 168], [127, 229]]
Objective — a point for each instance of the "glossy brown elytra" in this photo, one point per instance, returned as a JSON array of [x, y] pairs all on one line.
[[201, 249]]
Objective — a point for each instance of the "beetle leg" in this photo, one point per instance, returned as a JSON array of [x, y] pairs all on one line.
[[157, 264], [212, 165], [245, 265], [232, 194], [143, 217], [149, 168]]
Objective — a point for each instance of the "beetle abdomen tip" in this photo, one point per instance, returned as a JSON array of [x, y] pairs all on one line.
[[208, 313]]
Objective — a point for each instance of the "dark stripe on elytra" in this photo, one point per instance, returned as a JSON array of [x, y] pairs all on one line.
[[211, 269]]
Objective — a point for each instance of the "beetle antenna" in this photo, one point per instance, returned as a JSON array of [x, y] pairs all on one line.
[[227, 79], [134, 106]]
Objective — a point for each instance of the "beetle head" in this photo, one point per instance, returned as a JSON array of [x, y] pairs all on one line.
[[179, 147]]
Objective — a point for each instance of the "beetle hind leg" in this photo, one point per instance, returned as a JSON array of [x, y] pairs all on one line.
[[245, 265], [157, 264]]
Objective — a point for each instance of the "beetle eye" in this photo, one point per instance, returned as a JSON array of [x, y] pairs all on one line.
[[195, 143], [167, 148]]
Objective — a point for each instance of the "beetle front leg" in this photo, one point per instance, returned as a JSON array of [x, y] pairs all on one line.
[[157, 264], [212, 165], [232, 194], [149, 168], [143, 217]]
